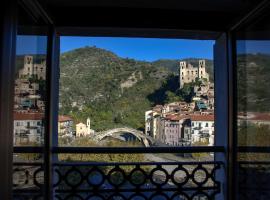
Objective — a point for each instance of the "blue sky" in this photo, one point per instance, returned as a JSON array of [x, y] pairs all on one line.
[[28, 44], [148, 49], [138, 48], [253, 46]]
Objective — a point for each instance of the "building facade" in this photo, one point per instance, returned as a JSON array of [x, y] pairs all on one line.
[[203, 127], [65, 125], [188, 73], [84, 129], [28, 128], [31, 69]]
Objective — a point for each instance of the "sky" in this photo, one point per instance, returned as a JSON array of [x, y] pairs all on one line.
[[147, 49], [28, 44], [253, 46]]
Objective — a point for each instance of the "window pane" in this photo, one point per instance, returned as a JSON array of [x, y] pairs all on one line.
[[30, 91], [135, 92], [29, 106], [253, 96]]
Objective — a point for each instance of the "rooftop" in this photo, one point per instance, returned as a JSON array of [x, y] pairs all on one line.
[[64, 118], [28, 116]]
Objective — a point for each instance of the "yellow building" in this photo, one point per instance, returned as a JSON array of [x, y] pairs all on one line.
[[84, 129]]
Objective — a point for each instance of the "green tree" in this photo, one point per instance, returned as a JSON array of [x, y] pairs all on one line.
[[187, 92], [172, 97]]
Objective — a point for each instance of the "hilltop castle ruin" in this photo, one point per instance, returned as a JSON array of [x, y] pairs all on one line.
[[188, 73], [33, 69]]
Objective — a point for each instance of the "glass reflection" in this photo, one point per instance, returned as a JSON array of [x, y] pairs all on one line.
[[253, 96], [30, 91]]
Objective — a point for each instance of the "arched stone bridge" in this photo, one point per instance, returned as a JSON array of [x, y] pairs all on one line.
[[147, 140]]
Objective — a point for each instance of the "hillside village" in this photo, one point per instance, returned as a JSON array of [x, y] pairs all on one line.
[[29, 102], [179, 122], [182, 123], [175, 123]]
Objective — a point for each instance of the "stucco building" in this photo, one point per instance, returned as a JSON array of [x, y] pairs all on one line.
[[203, 127], [65, 125], [84, 129], [28, 128]]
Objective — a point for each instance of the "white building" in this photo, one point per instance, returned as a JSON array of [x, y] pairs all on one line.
[[65, 125], [152, 123], [203, 127], [148, 118], [28, 128]]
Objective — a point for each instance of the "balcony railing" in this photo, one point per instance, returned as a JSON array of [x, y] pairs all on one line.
[[254, 172], [114, 180]]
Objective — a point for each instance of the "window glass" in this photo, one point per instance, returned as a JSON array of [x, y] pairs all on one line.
[[29, 97], [135, 92], [253, 100], [29, 105]]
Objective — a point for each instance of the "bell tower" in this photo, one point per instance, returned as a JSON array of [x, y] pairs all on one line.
[[28, 65], [182, 72], [201, 69], [88, 125]]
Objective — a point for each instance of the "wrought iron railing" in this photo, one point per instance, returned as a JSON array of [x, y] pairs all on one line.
[[134, 180], [28, 180], [253, 173], [137, 180]]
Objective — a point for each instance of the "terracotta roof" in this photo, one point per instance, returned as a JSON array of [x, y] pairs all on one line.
[[64, 118], [176, 117], [28, 115], [253, 116], [202, 117]]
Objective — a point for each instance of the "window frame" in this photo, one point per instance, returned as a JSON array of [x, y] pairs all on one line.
[[50, 148]]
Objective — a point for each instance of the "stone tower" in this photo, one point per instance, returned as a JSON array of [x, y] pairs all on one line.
[[188, 73], [202, 69], [28, 65], [182, 73], [88, 125]]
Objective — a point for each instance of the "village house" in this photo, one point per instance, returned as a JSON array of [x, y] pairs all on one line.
[[172, 130], [28, 128], [152, 123], [26, 95], [65, 125], [205, 94], [256, 118], [202, 127]]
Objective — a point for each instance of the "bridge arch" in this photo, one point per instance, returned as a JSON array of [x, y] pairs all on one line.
[[146, 140]]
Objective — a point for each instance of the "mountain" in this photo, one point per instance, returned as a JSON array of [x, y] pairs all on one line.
[[111, 90], [253, 72]]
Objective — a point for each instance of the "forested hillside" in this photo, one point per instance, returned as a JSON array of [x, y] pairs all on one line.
[[113, 91], [253, 82]]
